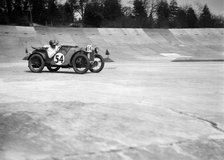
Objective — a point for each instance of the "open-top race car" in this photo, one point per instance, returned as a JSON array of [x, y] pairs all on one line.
[[80, 59]]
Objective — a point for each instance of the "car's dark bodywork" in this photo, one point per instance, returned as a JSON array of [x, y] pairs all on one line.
[[66, 50], [81, 59]]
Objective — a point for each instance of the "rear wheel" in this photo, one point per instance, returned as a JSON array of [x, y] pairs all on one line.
[[98, 64], [80, 63], [36, 63], [53, 69]]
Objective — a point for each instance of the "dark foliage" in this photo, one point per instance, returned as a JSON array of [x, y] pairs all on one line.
[[163, 14], [217, 21], [39, 11], [3, 18], [192, 20], [93, 14], [112, 9], [181, 18], [140, 14], [67, 13], [205, 19], [139, 9], [106, 13], [52, 11], [173, 11]]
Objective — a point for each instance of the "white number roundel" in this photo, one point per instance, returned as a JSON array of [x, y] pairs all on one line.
[[59, 59]]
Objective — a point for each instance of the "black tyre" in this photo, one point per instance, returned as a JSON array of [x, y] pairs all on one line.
[[53, 69], [80, 63], [98, 64], [36, 63]]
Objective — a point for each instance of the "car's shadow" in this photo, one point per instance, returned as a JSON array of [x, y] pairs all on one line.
[[58, 72]]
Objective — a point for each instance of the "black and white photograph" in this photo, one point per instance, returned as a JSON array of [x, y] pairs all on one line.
[[111, 79]]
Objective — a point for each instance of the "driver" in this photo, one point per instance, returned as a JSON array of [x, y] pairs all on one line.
[[52, 48]]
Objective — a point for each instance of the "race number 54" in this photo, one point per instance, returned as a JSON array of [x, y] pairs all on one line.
[[59, 59]]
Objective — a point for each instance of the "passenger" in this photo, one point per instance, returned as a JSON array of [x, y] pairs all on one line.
[[52, 48]]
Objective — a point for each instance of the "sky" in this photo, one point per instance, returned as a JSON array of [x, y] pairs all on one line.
[[215, 6]]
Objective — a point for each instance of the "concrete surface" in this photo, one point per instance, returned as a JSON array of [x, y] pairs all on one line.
[[141, 107], [124, 44]]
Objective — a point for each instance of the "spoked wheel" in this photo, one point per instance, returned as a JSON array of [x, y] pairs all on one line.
[[80, 63], [36, 63], [53, 69], [98, 64]]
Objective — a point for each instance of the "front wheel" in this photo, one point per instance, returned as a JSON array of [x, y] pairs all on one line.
[[53, 69], [98, 64], [80, 63], [36, 63]]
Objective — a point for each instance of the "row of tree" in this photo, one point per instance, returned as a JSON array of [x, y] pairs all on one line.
[[107, 13]]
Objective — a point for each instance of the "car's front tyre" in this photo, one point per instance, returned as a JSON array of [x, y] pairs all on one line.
[[98, 64], [36, 63]]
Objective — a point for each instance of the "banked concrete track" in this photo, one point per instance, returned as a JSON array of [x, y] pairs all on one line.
[[123, 44], [142, 106]]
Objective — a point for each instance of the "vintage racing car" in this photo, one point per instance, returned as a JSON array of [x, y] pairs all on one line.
[[80, 59]]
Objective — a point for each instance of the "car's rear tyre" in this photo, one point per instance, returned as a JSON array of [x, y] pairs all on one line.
[[98, 64], [80, 63], [53, 69], [36, 63]]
